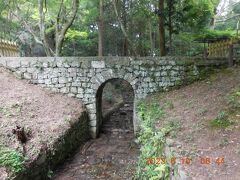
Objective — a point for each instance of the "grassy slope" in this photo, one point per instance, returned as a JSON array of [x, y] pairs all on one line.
[[209, 115]]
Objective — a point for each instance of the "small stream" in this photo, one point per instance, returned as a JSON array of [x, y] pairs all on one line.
[[111, 156]]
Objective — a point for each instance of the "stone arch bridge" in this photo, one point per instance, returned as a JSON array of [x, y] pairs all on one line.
[[83, 77]]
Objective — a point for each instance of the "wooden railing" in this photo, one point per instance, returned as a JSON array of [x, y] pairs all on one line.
[[8, 49], [219, 48]]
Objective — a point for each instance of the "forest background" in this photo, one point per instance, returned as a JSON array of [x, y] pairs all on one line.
[[116, 27]]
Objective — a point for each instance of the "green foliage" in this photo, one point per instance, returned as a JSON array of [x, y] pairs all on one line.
[[8, 28], [74, 34], [234, 99], [184, 45], [174, 124], [149, 113], [198, 14], [152, 142], [221, 121], [185, 16], [216, 123], [50, 173], [221, 115], [214, 34], [152, 146], [227, 118], [12, 160]]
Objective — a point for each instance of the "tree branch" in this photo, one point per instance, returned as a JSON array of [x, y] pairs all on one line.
[[60, 35], [48, 50], [25, 24], [122, 27], [233, 17]]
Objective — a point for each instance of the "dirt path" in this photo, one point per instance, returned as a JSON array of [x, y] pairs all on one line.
[[112, 156]]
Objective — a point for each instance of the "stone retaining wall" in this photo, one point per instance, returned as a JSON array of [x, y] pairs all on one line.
[[63, 147]]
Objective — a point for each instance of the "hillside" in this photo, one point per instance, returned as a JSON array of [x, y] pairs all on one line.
[[207, 114], [44, 116]]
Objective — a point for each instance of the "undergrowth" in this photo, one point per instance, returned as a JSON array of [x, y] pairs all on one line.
[[12, 160], [227, 118], [152, 142], [234, 99], [221, 121]]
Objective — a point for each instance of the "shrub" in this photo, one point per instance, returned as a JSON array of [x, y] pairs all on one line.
[[12, 160], [152, 143], [221, 121]]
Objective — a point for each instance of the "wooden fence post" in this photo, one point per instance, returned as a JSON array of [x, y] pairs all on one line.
[[230, 56], [8, 48]]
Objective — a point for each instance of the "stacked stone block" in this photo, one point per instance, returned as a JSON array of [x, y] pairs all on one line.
[[81, 77]]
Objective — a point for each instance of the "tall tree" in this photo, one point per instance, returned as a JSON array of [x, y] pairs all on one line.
[[170, 11], [63, 24], [123, 28], [42, 11], [59, 19], [175, 17], [161, 28], [215, 4], [125, 42], [100, 29]]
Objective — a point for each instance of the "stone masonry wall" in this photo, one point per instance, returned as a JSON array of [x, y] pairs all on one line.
[[58, 150], [81, 77]]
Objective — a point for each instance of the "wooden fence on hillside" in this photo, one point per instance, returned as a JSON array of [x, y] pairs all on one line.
[[8, 49], [229, 48], [219, 48]]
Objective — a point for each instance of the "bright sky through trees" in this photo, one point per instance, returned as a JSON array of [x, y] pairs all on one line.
[[224, 6]]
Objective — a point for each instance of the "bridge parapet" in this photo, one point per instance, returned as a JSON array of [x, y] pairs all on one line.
[[83, 77]]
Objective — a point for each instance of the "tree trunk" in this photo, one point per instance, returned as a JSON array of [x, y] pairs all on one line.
[[170, 7], [42, 27], [125, 42], [161, 28], [230, 58], [151, 37], [122, 28], [61, 27], [213, 20], [100, 31], [140, 49], [60, 32], [238, 27]]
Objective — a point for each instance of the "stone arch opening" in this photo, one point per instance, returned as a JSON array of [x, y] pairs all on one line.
[[122, 109]]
